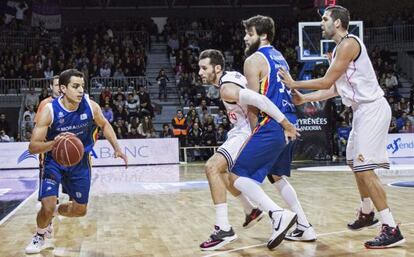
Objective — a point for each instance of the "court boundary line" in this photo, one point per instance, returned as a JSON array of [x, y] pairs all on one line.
[[263, 244], [18, 207]]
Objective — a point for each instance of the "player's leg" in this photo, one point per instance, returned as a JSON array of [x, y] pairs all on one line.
[[77, 182], [223, 232], [365, 216], [370, 153], [278, 177], [252, 213], [263, 146], [48, 192]]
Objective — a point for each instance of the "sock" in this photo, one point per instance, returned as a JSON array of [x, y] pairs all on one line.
[[366, 205], [41, 231], [255, 193], [288, 194], [246, 203], [222, 219], [387, 217]]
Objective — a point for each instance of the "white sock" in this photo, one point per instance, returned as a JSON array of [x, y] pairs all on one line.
[[246, 203], [366, 205], [222, 219], [387, 217], [288, 194], [41, 231], [255, 193]]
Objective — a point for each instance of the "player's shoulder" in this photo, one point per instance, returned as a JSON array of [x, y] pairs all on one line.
[[233, 77]]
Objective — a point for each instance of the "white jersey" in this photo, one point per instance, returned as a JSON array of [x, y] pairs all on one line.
[[359, 83], [237, 113]]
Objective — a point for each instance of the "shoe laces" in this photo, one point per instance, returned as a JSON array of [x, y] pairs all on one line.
[[37, 238]]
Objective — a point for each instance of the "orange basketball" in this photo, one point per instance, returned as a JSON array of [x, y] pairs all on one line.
[[68, 151]]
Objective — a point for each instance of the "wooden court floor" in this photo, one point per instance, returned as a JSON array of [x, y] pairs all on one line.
[[167, 211]]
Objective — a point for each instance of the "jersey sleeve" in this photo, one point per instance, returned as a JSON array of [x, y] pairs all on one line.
[[234, 78]]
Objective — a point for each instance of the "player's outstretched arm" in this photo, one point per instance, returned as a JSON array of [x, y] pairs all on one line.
[[37, 141], [108, 131], [346, 52], [298, 98]]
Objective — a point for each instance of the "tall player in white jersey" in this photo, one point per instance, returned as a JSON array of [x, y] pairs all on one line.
[[352, 76], [236, 99]]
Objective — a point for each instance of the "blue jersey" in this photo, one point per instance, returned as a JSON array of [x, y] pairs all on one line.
[[272, 86], [79, 122]]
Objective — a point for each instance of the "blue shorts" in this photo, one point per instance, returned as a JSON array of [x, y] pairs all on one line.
[[266, 152], [76, 180]]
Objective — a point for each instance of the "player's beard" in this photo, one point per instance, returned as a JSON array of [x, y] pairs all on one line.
[[212, 78], [252, 48]]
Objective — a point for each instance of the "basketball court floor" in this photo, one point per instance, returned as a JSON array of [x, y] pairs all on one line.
[[166, 210]]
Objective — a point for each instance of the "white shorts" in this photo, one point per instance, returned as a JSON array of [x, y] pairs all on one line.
[[367, 142], [231, 147]]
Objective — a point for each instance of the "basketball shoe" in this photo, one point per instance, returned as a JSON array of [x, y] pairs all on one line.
[[218, 239], [251, 219], [363, 221], [281, 222], [388, 237], [307, 235], [38, 243]]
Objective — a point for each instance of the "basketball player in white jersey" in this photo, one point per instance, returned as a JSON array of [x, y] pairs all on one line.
[[352, 76], [236, 98]]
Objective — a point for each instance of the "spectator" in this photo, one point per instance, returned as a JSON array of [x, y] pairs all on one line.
[[218, 119], [27, 125], [30, 112], [145, 102], [105, 71], [132, 106], [209, 139], [166, 131], [391, 81], [343, 135], [221, 135], [48, 73], [44, 94], [105, 93], [146, 128], [4, 124], [120, 113], [213, 94], [195, 138], [133, 133], [162, 82], [180, 127], [119, 102], [31, 99], [120, 129], [133, 123], [4, 137], [20, 9], [107, 113], [407, 128]]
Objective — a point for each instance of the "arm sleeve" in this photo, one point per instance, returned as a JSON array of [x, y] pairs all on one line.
[[247, 96]]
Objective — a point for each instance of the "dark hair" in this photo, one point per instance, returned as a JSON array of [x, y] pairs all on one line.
[[341, 13], [64, 77], [262, 24], [216, 57]]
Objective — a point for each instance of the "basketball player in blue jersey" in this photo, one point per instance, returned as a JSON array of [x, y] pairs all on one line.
[[236, 98], [352, 76], [267, 144], [72, 113]]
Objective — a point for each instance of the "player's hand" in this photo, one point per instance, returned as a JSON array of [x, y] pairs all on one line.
[[297, 97], [286, 78], [120, 154], [63, 135], [291, 132]]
